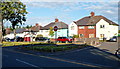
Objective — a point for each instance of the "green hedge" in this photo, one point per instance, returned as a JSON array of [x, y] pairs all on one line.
[[53, 48]]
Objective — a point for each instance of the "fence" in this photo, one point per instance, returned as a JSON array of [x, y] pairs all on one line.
[[89, 41]]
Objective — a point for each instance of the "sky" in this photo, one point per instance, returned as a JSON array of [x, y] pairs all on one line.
[[45, 12]]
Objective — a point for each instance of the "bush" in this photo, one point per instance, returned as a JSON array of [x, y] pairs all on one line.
[[75, 36], [53, 48], [39, 35]]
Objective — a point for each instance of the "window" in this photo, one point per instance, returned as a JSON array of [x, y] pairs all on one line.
[[90, 27], [72, 27], [102, 26], [81, 35], [81, 27], [91, 35], [102, 35], [41, 31]]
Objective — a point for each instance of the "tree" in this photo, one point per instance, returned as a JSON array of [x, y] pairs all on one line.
[[28, 26], [75, 36], [14, 12], [39, 35], [51, 32]]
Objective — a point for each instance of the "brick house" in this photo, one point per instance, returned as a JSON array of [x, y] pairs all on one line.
[[94, 26]]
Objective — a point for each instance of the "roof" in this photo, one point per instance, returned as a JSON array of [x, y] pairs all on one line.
[[19, 30], [93, 20], [34, 28], [60, 25]]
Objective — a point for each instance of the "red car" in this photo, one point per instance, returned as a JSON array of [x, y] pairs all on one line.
[[64, 39]]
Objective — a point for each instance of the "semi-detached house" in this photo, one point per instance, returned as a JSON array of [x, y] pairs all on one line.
[[61, 32], [94, 26]]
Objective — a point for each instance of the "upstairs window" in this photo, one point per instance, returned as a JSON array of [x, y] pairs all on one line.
[[72, 27], [81, 27], [90, 27], [102, 26]]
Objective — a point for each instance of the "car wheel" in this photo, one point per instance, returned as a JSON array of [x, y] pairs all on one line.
[[70, 41], [67, 42]]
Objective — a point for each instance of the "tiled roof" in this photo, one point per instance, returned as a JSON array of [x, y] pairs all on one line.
[[60, 25], [93, 20], [19, 30], [34, 28]]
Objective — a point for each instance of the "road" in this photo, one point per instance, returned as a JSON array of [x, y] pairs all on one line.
[[18, 59], [87, 57]]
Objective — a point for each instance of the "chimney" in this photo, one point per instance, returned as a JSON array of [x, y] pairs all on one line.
[[92, 14], [56, 20], [37, 24]]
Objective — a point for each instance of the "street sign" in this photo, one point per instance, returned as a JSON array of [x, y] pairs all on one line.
[[55, 28]]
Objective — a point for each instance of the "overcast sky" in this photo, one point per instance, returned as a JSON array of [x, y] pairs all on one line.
[[44, 12]]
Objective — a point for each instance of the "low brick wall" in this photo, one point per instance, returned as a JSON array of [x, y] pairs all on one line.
[[89, 41]]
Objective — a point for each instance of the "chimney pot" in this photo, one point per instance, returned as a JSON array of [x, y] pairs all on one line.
[[56, 20], [37, 24], [92, 14]]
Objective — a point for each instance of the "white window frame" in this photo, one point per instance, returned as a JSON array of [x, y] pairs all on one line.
[[91, 27], [81, 27], [72, 27], [91, 35]]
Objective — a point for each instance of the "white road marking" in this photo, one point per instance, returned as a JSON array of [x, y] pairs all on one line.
[[26, 63]]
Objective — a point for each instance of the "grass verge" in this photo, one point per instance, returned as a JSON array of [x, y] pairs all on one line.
[[5, 44], [53, 48]]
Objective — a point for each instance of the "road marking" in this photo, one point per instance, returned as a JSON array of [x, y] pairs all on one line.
[[79, 63], [83, 63], [26, 63]]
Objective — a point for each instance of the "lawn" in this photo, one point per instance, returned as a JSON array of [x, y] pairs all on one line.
[[5, 44], [20, 43]]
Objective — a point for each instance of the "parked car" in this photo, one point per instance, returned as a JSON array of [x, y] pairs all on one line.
[[8, 40], [114, 39], [20, 39], [42, 39], [64, 39]]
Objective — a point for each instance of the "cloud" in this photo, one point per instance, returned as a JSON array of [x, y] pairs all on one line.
[[109, 12], [69, 0], [107, 9]]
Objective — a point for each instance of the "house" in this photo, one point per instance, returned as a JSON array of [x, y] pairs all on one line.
[[19, 33], [62, 29], [32, 32], [94, 26], [8, 31]]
